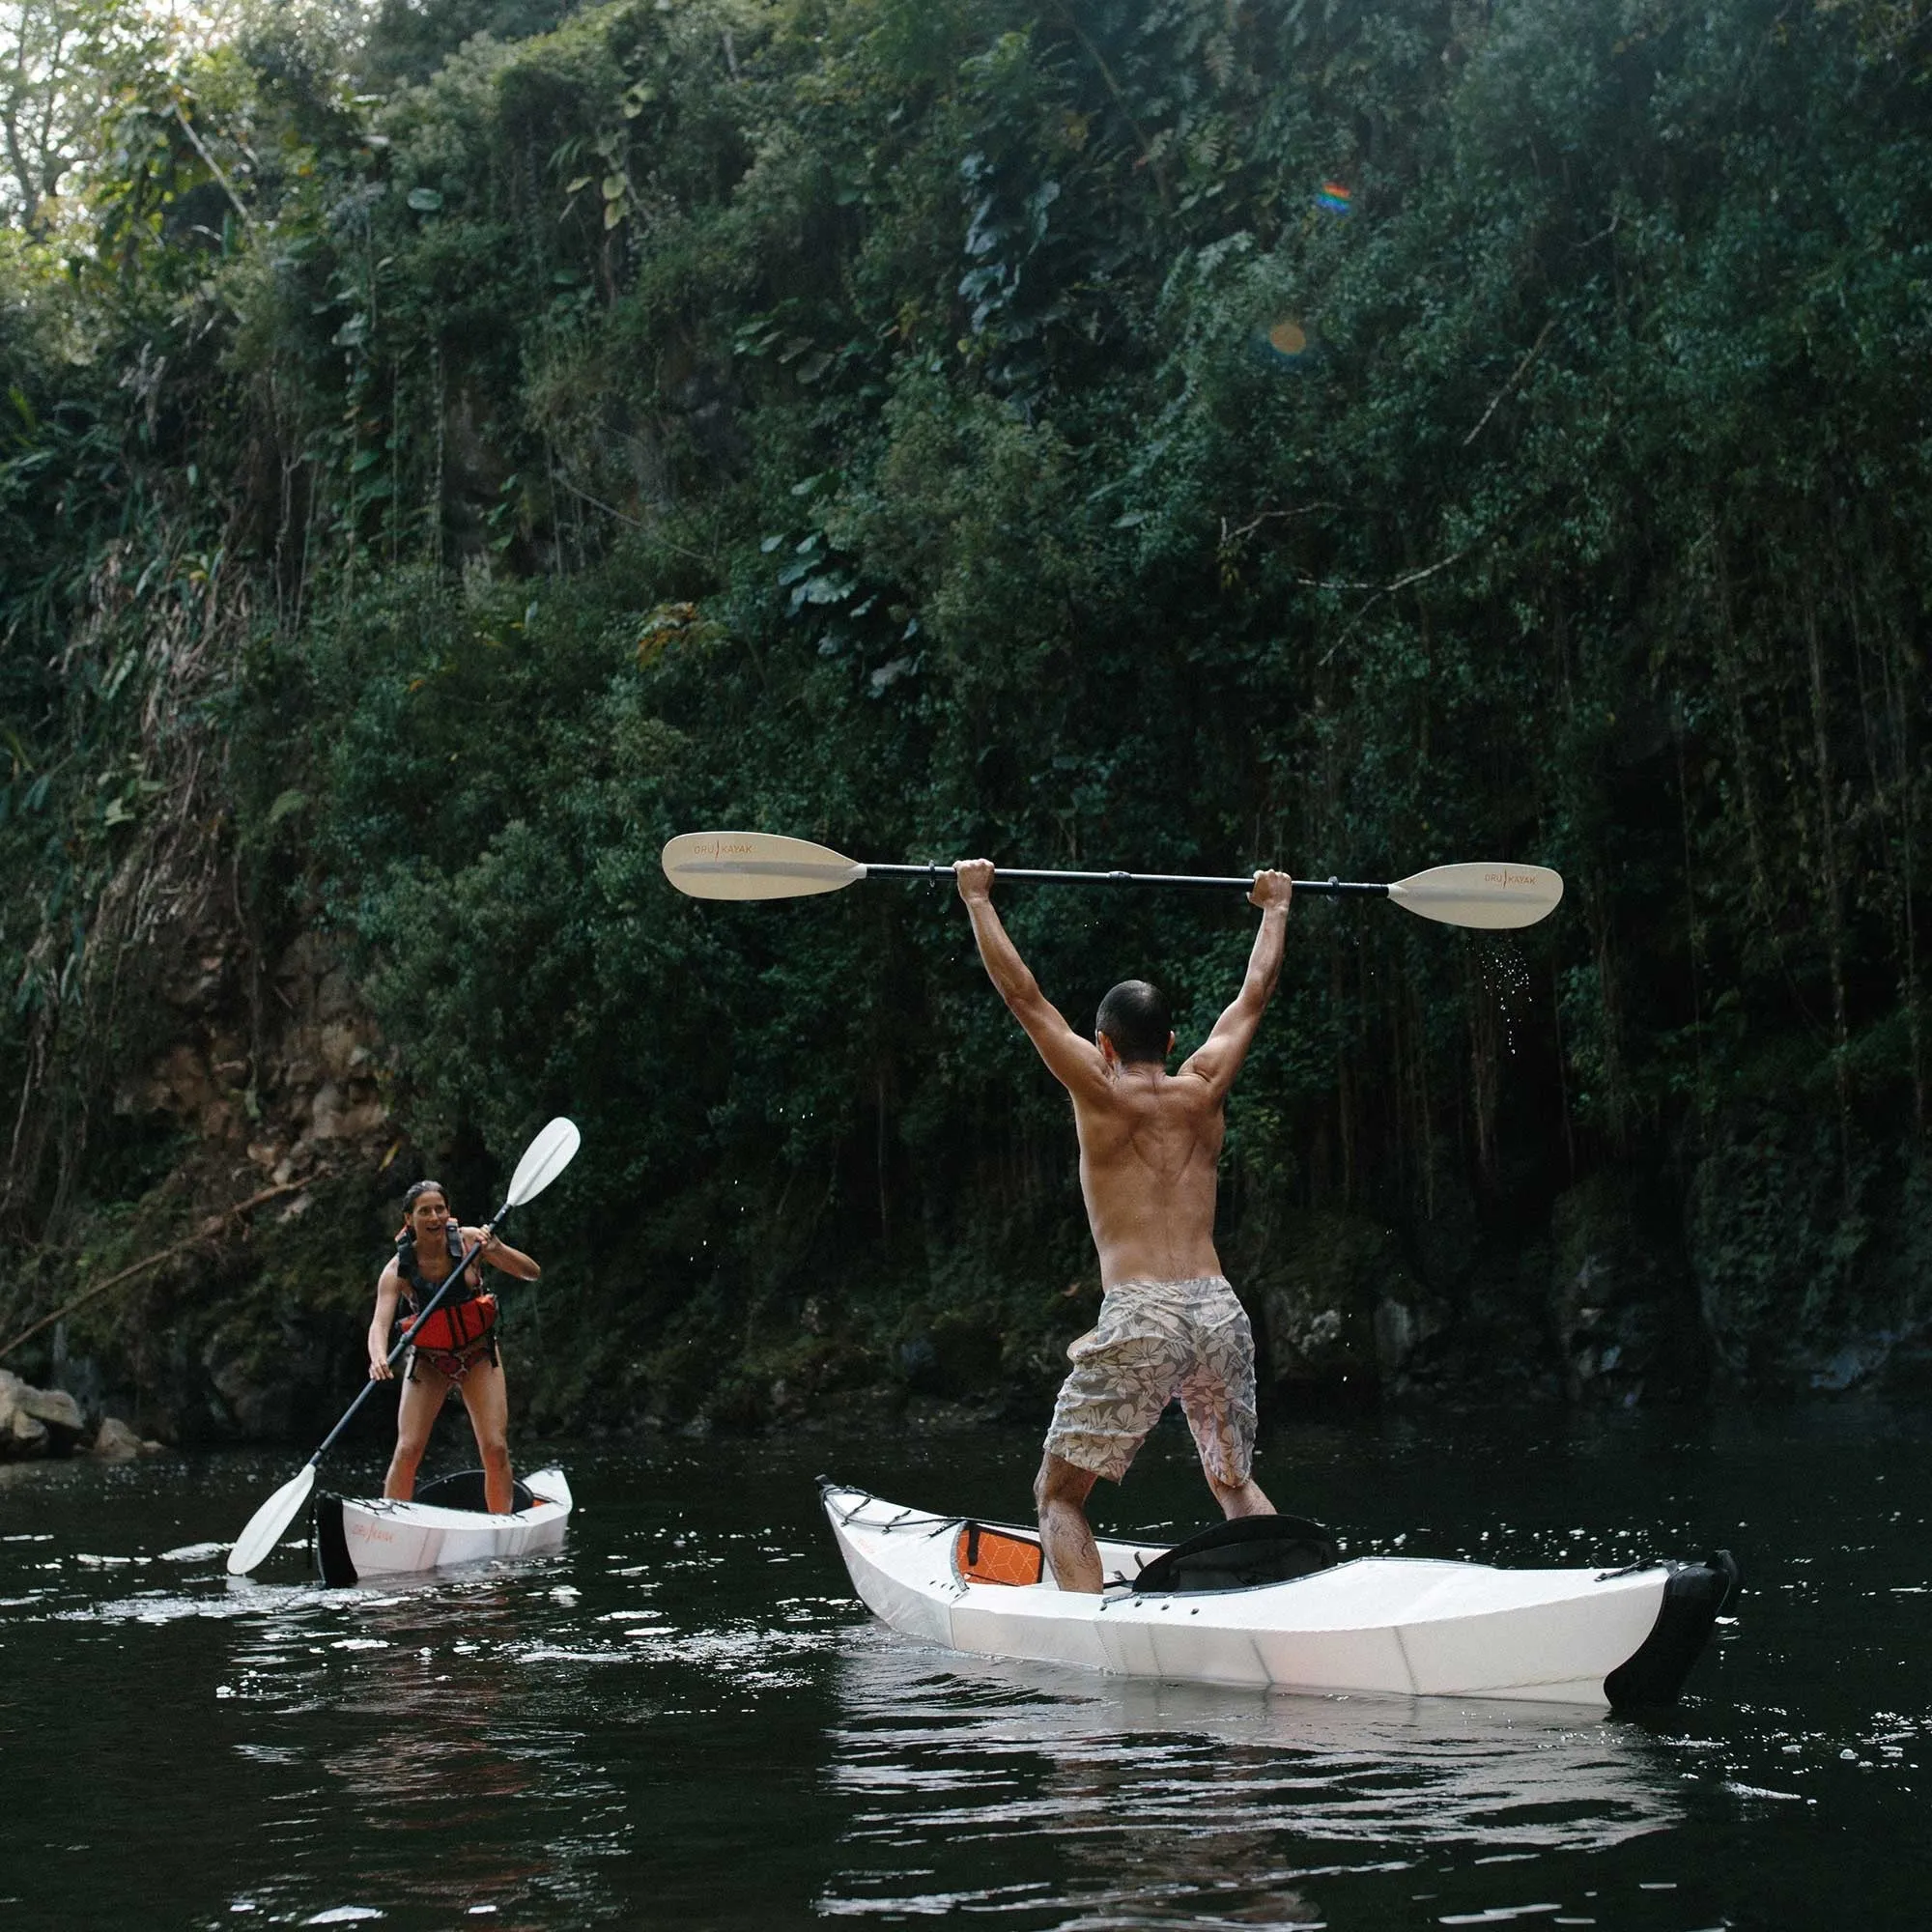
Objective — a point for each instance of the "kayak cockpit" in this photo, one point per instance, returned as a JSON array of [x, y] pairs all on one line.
[[462, 1489], [1246, 1553]]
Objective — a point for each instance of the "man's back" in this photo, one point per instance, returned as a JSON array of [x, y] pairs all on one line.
[[1150, 1152], [1149, 1142]]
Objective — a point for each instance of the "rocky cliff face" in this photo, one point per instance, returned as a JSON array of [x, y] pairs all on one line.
[[1622, 1307], [244, 1267], [1810, 1248], [288, 1073], [1757, 1275], [1343, 1312]]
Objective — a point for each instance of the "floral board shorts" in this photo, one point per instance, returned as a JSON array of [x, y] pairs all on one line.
[[1158, 1340]]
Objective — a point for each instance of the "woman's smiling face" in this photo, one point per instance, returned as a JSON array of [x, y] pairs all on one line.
[[429, 1213]]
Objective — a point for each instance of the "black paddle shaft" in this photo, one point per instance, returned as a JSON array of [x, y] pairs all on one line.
[[1336, 888], [409, 1334]]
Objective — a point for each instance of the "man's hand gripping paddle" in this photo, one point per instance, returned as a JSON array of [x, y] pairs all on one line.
[[765, 866], [544, 1159]]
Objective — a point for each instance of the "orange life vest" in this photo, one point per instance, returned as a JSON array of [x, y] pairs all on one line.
[[463, 1318]]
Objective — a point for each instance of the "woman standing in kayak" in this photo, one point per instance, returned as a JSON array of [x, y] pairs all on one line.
[[455, 1349]]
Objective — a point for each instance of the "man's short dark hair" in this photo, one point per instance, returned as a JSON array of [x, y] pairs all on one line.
[[1134, 1017]]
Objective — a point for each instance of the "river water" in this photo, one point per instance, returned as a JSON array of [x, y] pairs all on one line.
[[685, 1719]]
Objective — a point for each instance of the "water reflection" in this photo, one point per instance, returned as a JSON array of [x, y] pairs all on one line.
[[1163, 1799], [440, 1777], [461, 1780]]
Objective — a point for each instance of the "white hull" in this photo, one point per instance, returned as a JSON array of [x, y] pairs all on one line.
[[1388, 1625], [380, 1538]]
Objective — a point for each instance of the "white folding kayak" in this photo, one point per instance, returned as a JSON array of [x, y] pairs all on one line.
[[1392, 1626], [362, 1538]]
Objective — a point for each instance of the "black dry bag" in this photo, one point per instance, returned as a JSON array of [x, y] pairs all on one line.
[[1241, 1554]]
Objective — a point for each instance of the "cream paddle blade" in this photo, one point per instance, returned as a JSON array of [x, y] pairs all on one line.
[[1494, 898], [756, 866]]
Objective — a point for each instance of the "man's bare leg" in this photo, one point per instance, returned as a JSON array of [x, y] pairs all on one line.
[[1239, 1498], [1216, 1441], [1062, 1490]]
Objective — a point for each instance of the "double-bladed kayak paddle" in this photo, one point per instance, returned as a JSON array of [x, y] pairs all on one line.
[[1492, 896]]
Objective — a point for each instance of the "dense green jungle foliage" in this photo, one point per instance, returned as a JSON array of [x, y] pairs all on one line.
[[447, 453]]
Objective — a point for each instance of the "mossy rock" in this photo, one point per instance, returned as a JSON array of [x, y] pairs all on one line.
[[1782, 1218], [1340, 1307], [1622, 1305], [955, 1351]]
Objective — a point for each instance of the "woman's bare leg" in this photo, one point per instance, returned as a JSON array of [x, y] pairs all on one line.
[[487, 1397], [424, 1391]]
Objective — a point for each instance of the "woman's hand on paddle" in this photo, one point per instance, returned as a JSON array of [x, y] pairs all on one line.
[[975, 879], [380, 1370], [499, 1254]]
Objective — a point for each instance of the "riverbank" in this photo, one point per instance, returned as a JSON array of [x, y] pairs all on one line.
[[251, 1326]]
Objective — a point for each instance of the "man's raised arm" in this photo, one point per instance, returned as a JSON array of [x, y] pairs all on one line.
[[1220, 1054], [1069, 1059]]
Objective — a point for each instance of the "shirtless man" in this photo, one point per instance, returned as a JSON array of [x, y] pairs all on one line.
[[1149, 1145], [475, 1370]]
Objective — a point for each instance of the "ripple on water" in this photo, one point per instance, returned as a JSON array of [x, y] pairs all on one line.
[[1164, 1798]]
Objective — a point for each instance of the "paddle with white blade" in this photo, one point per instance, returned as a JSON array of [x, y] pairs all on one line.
[[1492, 896], [544, 1159]]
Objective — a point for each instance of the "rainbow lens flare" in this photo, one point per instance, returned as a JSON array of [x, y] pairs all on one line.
[[1288, 340], [1333, 198]]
